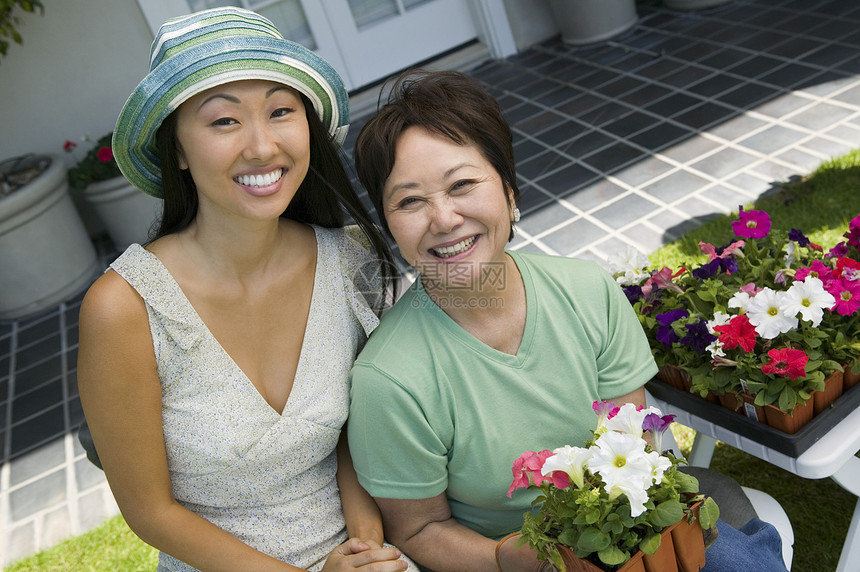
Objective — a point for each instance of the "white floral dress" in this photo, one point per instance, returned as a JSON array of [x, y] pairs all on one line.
[[267, 478]]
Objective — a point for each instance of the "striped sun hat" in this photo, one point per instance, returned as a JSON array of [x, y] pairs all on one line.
[[193, 53]]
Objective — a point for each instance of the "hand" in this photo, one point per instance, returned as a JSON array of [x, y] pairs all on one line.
[[514, 558], [364, 555]]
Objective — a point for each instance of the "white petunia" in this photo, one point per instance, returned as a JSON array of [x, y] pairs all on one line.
[[767, 313], [715, 348], [791, 253], [629, 419], [719, 319], [621, 461], [628, 266], [571, 460], [741, 300], [636, 493], [809, 299]]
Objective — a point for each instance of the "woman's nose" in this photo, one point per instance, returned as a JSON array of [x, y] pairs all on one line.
[[261, 142], [445, 217]]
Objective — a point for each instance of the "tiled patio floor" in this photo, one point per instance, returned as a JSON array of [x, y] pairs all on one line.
[[632, 141]]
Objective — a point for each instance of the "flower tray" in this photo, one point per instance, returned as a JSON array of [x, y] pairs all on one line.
[[792, 445]]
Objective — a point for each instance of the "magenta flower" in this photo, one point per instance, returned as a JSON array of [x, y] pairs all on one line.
[[853, 234], [104, 154], [604, 410], [786, 363], [817, 270], [663, 279], [847, 294], [752, 224], [838, 251]]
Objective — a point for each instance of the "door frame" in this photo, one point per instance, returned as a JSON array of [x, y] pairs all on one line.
[[491, 21]]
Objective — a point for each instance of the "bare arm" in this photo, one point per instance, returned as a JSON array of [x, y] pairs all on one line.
[[121, 396], [636, 397], [425, 530], [363, 520]]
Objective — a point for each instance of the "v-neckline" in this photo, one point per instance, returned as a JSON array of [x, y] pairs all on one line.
[[469, 340], [310, 320]]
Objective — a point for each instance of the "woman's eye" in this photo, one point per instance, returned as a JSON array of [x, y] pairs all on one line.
[[282, 112], [407, 202], [462, 184], [223, 121]]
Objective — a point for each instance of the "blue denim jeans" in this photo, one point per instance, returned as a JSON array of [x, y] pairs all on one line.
[[755, 546]]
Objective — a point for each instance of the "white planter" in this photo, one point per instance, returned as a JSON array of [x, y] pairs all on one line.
[[693, 4], [46, 255], [126, 213], [590, 21]]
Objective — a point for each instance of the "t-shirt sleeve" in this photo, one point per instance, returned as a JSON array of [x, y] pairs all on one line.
[[625, 362], [385, 421]]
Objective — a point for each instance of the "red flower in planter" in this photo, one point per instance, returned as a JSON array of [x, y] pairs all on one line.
[[738, 332], [69, 145], [105, 154], [786, 363]]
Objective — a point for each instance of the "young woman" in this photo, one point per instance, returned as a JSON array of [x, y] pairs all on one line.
[[213, 362]]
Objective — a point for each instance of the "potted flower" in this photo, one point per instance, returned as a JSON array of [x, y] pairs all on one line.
[[768, 320], [45, 253], [126, 213], [615, 501]]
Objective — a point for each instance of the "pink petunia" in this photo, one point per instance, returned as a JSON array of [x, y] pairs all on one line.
[[104, 154], [817, 270], [711, 251], [528, 465], [786, 363], [662, 279], [847, 294], [752, 224]]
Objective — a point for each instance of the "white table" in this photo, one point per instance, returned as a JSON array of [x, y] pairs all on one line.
[[831, 456]]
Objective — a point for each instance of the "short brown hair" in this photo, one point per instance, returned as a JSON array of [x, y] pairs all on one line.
[[447, 103]]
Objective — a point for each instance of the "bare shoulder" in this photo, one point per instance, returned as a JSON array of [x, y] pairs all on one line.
[[111, 302]]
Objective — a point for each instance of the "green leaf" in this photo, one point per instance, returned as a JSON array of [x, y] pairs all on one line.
[[650, 543], [686, 483], [591, 540], [666, 514], [709, 512], [613, 556]]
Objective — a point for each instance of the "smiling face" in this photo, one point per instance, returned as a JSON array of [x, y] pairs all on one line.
[[447, 208], [246, 145]]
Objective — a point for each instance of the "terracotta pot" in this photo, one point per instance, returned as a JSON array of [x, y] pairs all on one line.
[[790, 423], [744, 404], [821, 400], [674, 376], [849, 379], [682, 549]]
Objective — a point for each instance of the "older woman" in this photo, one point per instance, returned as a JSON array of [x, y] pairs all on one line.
[[487, 346], [490, 352]]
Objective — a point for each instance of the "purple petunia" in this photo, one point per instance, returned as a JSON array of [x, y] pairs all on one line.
[[707, 270], [698, 337], [665, 333], [798, 237]]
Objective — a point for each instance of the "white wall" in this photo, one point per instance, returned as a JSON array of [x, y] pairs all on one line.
[[531, 21], [71, 76]]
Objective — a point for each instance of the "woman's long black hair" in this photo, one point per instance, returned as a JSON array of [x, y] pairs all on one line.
[[324, 198]]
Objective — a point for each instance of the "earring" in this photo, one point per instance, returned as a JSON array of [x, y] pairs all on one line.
[[516, 214]]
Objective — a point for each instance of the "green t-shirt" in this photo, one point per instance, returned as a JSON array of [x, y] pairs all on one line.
[[434, 409]]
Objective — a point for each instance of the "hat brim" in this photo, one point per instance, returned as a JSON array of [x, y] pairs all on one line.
[[215, 63]]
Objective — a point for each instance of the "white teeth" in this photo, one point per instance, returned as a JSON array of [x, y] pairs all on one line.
[[449, 251], [259, 180]]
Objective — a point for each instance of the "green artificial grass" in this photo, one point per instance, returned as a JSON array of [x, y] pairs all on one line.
[[820, 205], [110, 547]]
